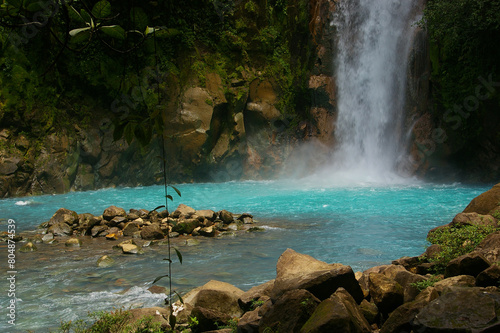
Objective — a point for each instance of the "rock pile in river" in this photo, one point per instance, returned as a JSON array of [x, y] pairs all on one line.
[[115, 222]]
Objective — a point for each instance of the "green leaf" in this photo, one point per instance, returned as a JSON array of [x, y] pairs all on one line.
[[180, 298], [80, 35], [33, 5], [86, 17], [169, 197], [118, 131], [159, 278], [158, 207], [139, 18], [176, 190], [172, 320], [74, 15], [129, 132], [75, 32], [114, 31], [166, 33], [179, 255], [101, 9]]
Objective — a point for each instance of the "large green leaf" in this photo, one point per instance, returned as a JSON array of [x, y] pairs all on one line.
[[74, 15], [80, 35], [139, 18], [86, 17], [114, 31], [102, 9]]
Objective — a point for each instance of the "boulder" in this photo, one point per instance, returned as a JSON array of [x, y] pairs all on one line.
[[289, 312], [113, 211], [64, 215], [183, 211], [115, 221], [130, 228], [469, 264], [490, 247], [28, 247], [246, 218], [339, 313], [476, 219], [47, 238], [407, 280], [369, 311], [99, 230], [152, 231], [60, 229], [208, 231], [489, 277], [186, 226], [226, 217], [105, 261], [206, 214], [460, 310], [456, 281], [131, 249], [86, 222], [385, 292], [247, 298], [157, 314], [73, 242], [485, 202], [300, 271], [400, 319], [249, 322], [218, 296], [209, 319]]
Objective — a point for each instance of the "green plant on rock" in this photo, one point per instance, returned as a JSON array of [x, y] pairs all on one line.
[[421, 285], [456, 241]]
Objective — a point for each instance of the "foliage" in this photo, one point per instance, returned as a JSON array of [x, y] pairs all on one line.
[[456, 241], [463, 48], [117, 321], [421, 285]]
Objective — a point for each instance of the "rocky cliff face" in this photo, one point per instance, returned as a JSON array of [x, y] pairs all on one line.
[[219, 129]]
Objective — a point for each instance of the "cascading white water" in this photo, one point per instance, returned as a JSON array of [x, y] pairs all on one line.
[[373, 41]]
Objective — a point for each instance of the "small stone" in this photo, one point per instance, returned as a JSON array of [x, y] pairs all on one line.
[[28, 247], [105, 261], [131, 249], [113, 211], [192, 242], [112, 236], [47, 238], [130, 228], [73, 242], [226, 217]]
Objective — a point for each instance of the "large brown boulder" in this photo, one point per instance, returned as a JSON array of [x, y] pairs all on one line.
[[474, 219], [339, 313], [469, 264], [151, 232], [485, 202], [215, 295], [113, 211], [490, 247], [460, 310], [60, 229], [246, 299], [301, 271], [489, 277], [64, 215], [186, 226], [290, 312], [385, 292], [183, 211]]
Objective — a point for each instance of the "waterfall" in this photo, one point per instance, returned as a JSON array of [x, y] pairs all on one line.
[[373, 42]]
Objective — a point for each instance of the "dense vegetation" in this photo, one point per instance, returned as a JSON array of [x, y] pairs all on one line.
[[465, 53], [63, 60]]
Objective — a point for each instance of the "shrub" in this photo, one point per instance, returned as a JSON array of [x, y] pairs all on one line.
[[456, 241]]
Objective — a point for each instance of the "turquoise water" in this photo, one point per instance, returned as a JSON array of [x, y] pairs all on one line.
[[360, 226]]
